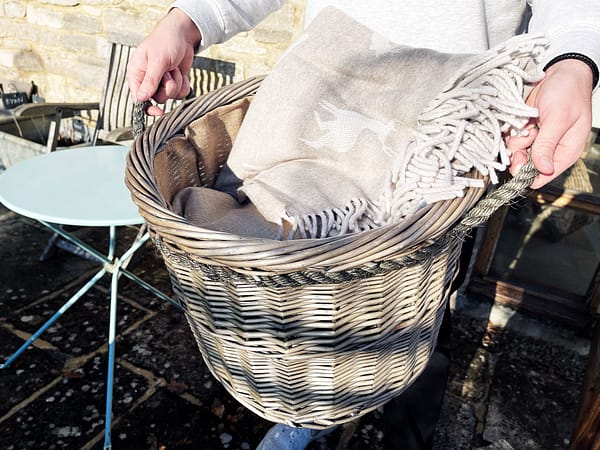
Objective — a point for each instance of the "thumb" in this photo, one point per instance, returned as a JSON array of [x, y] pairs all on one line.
[[544, 146], [150, 83], [517, 160]]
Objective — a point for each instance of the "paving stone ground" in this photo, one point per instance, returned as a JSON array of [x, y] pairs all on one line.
[[520, 393]]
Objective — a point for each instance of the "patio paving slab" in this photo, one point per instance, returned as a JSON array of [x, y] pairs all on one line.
[[71, 412], [33, 371]]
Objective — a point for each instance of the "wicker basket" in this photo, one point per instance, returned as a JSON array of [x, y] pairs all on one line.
[[308, 332]]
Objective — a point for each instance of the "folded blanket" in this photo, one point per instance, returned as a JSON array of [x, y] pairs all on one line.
[[351, 132], [218, 211]]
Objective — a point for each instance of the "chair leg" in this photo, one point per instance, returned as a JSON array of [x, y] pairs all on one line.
[[54, 131], [586, 431]]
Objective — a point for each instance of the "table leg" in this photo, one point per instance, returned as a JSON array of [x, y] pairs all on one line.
[[137, 243], [116, 267], [92, 252], [117, 270], [112, 327], [125, 259]]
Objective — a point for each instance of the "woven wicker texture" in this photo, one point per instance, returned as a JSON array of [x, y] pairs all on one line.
[[310, 332]]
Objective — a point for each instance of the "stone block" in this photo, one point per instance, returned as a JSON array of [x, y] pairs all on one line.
[[253, 68], [59, 63], [22, 32], [28, 61], [124, 36], [7, 57], [82, 23], [283, 19], [122, 26], [55, 88], [91, 76], [76, 43], [160, 4], [148, 19], [98, 60], [15, 9], [60, 2], [43, 16], [243, 44], [9, 28], [272, 36], [8, 75]]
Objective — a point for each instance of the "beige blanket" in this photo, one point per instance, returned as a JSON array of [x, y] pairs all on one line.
[[351, 132]]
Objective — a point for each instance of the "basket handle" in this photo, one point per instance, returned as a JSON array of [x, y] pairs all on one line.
[[497, 198], [138, 118]]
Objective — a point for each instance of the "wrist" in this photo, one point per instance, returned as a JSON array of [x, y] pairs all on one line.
[[181, 21], [576, 62]]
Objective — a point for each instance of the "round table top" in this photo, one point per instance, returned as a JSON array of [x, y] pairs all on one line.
[[78, 186]]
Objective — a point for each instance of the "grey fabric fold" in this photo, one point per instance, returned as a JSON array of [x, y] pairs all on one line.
[[219, 211]]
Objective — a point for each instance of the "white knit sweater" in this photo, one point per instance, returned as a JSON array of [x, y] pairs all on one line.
[[455, 26]]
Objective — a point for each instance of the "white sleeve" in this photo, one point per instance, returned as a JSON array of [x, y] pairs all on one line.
[[219, 20], [573, 26]]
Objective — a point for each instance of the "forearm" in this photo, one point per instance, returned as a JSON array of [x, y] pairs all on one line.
[[572, 26], [219, 20]]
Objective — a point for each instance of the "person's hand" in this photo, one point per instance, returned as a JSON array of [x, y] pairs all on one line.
[[558, 136], [159, 67]]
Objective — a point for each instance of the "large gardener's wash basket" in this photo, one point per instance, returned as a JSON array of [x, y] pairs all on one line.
[[309, 332]]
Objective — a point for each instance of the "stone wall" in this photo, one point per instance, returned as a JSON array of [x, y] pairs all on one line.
[[63, 45]]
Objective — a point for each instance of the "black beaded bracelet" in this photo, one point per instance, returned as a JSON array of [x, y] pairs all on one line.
[[579, 57]]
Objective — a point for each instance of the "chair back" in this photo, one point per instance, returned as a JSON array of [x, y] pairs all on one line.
[[116, 104], [208, 74]]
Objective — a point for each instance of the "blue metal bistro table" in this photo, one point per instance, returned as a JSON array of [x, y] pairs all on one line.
[[81, 186]]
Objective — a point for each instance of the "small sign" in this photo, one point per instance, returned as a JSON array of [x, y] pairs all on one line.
[[13, 99]]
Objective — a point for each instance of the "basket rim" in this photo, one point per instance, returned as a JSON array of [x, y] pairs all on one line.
[[331, 253]]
